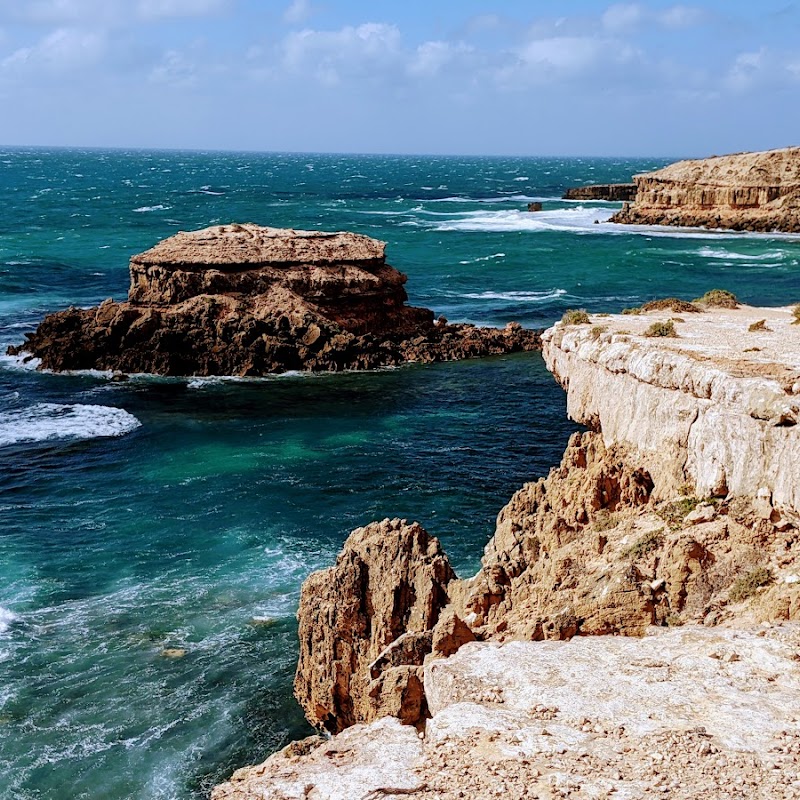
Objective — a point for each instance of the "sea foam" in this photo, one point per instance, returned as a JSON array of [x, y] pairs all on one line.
[[45, 421], [7, 618]]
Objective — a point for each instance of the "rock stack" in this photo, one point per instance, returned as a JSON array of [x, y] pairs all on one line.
[[247, 300]]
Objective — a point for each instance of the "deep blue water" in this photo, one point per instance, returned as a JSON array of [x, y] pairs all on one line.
[[185, 514]]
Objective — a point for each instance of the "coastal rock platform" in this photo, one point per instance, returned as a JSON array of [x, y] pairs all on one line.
[[743, 192], [247, 300], [682, 713]]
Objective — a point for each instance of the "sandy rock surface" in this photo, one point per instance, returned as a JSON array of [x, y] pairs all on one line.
[[681, 713], [745, 191]]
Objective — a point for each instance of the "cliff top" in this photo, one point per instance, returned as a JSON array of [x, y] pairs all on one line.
[[746, 342], [255, 245], [769, 167]]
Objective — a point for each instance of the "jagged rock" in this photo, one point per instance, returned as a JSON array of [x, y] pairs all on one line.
[[684, 713], [247, 300], [745, 191], [364, 626], [616, 192]]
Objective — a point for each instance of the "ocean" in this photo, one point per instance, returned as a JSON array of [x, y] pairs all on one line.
[[184, 514]]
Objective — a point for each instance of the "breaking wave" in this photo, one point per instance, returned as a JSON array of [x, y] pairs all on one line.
[[45, 421]]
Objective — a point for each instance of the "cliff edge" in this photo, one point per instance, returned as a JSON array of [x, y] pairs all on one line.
[[675, 517], [743, 192]]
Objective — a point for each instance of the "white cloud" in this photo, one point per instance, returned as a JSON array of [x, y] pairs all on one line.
[[746, 69], [430, 58], [622, 17], [63, 12], [159, 9], [62, 50], [174, 70], [681, 17], [330, 55], [297, 12]]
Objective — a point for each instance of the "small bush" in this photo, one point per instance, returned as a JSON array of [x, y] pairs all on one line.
[[670, 304], [748, 584], [635, 310], [598, 331], [574, 316], [673, 513], [796, 315], [718, 298], [761, 325], [661, 329], [604, 520], [646, 544]]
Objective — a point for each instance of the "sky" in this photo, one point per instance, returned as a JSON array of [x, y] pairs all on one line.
[[535, 77]]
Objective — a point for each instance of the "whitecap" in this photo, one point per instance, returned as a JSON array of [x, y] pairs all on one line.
[[518, 297], [711, 252], [484, 258], [7, 618], [144, 209], [45, 421], [522, 178]]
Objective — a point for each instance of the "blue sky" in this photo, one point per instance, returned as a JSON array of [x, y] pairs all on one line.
[[541, 77]]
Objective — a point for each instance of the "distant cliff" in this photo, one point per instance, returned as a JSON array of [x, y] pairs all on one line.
[[617, 192], [743, 192]]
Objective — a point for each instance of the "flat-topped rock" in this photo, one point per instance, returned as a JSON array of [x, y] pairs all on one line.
[[745, 191], [248, 300], [233, 246], [716, 406]]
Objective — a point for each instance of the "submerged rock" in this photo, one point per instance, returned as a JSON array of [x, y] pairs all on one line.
[[745, 191], [247, 300]]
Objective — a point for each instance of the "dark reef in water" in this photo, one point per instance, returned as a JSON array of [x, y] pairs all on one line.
[[248, 300]]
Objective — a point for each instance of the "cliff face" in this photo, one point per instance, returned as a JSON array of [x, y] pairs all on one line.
[[247, 300], [616, 192], [679, 508], [746, 191]]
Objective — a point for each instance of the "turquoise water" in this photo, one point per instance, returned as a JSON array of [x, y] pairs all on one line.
[[185, 514]]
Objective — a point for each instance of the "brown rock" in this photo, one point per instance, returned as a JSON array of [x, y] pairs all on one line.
[[364, 626], [602, 191], [746, 191], [247, 300]]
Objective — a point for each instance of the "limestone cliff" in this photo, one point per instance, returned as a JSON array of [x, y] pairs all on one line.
[[615, 192], [745, 191], [679, 507], [247, 300]]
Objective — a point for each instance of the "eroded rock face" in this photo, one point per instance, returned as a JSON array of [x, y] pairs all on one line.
[[682, 713], [247, 300], [365, 626], [616, 192], [746, 191]]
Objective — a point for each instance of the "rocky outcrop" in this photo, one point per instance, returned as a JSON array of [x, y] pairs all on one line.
[[366, 626], [746, 191], [616, 192], [246, 300], [683, 713], [678, 507], [715, 407]]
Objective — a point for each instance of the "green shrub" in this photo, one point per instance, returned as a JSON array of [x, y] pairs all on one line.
[[574, 316], [646, 544], [796, 315], [761, 325], [718, 298], [750, 583], [598, 331], [635, 310], [663, 328], [674, 512], [670, 304]]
